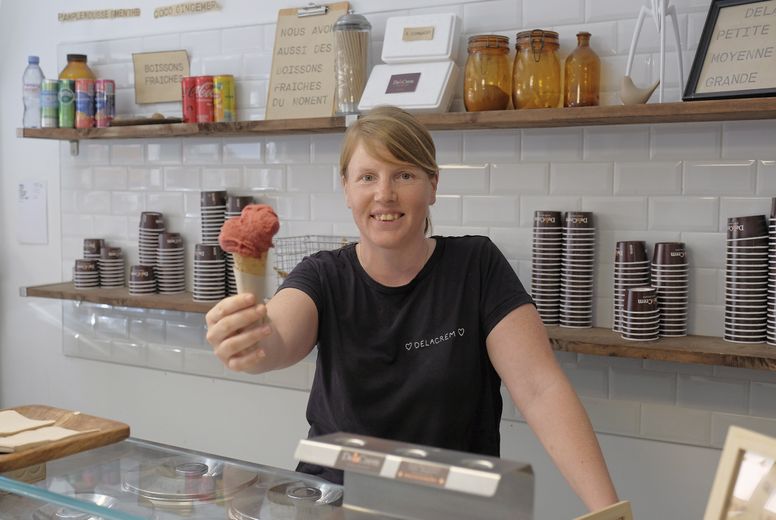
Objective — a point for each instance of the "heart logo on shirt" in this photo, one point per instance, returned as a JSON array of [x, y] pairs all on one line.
[[460, 332], [408, 346]]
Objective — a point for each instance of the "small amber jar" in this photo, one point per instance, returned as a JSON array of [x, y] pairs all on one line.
[[536, 71], [486, 82], [583, 75], [76, 68]]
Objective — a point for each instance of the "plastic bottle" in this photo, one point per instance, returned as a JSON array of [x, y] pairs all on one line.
[[31, 80]]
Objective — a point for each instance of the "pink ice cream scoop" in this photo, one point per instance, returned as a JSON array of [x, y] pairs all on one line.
[[251, 234]]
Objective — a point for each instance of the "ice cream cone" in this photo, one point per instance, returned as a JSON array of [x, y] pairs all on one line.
[[250, 275]]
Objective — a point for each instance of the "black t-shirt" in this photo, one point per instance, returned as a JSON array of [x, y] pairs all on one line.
[[409, 363]]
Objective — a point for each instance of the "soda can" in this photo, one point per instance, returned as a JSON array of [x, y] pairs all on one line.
[[84, 103], [49, 104], [189, 99], [66, 103], [204, 99], [224, 106], [104, 102]]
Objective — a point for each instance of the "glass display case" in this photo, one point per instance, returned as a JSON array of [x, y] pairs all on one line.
[[135, 479]]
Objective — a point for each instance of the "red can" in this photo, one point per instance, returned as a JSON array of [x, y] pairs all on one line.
[[204, 99], [189, 99]]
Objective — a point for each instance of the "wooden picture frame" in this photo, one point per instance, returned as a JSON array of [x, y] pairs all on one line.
[[736, 55], [745, 479]]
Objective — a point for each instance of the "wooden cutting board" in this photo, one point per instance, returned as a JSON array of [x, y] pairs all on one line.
[[108, 432]]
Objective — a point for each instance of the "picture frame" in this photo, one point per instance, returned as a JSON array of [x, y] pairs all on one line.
[[736, 56], [745, 481]]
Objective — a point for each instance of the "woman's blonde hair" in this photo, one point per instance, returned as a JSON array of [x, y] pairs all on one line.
[[392, 135], [393, 130]]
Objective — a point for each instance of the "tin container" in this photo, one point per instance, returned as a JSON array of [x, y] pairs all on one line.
[[84, 103], [49, 104], [224, 106], [189, 99], [66, 98], [204, 99], [104, 102]]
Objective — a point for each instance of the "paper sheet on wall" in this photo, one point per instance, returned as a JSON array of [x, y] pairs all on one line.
[[31, 215]]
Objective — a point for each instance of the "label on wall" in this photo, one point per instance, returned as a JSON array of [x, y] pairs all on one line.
[[31, 215], [186, 9], [158, 76], [301, 81], [98, 14]]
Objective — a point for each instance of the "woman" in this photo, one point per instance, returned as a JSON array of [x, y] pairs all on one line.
[[415, 333]]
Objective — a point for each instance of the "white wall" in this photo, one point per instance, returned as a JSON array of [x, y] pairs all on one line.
[[640, 180]]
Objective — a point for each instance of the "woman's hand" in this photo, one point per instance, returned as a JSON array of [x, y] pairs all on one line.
[[236, 327]]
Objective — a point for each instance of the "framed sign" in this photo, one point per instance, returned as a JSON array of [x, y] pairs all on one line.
[[158, 75], [745, 483], [301, 82], [736, 56]]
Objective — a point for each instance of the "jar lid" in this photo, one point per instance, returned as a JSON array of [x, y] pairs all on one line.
[[488, 41], [537, 34], [76, 57], [352, 22]]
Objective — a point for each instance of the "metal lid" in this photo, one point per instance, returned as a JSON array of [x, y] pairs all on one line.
[[76, 57], [488, 41], [352, 22]]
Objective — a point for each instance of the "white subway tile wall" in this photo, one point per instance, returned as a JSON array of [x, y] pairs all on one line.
[[643, 182]]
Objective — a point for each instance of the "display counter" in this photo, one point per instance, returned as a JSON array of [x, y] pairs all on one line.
[[135, 479]]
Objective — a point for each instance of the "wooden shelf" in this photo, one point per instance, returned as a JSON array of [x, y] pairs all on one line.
[[118, 297], [705, 350], [695, 111]]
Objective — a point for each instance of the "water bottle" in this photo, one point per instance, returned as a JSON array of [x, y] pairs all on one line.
[[31, 80]]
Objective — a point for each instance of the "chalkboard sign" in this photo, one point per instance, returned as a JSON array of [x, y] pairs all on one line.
[[736, 56], [301, 81]]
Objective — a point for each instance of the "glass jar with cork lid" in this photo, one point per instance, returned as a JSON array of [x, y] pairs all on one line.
[[536, 71], [486, 83]]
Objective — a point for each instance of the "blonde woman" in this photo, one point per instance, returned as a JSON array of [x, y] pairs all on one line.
[[415, 333]]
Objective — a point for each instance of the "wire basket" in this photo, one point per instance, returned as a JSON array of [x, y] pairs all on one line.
[[289, 251]]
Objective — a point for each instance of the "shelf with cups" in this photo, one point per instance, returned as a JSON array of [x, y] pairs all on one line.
[[696, 111], [705, 350], [118, 297]]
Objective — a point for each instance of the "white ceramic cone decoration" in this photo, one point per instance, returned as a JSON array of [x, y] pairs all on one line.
[[659, 10]]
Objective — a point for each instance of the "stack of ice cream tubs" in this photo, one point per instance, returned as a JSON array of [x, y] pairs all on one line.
[[746, 279]]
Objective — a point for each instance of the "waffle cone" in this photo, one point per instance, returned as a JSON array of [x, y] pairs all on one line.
[[250, 275], [250, 265]]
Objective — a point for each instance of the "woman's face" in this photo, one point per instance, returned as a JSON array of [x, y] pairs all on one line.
[[389, 200]]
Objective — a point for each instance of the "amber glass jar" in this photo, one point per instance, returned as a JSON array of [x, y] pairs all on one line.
[[583, 75], [76, 68], [486, 84], [536, 71]]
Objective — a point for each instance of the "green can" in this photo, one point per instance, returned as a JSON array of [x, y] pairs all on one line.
[[49, 104], [66, 103]]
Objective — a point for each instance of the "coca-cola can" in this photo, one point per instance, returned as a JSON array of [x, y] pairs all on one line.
[[189, 99], [204, 99]]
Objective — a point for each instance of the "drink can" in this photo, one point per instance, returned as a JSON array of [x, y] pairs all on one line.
[[189, 99], [104, 102], [224, 106], [66, 103], [204, 99], [84, 103], [49, 104]]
